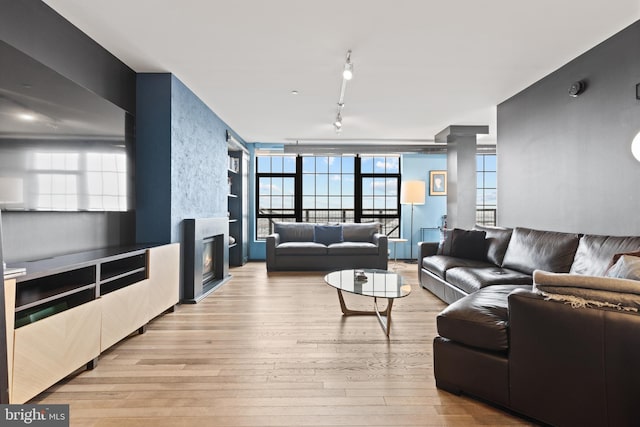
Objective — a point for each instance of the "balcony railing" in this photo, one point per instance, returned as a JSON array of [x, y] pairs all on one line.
[[268, 217], [486, 216]]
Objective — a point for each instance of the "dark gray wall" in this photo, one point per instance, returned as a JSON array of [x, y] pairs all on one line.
[[565, 163], [35, 29]]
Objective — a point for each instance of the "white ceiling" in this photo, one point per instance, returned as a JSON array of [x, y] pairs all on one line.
[[420, 65]]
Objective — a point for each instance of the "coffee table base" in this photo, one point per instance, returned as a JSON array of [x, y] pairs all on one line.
[[384, 317]]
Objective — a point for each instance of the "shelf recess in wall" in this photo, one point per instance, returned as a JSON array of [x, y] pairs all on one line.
[[233, 144]]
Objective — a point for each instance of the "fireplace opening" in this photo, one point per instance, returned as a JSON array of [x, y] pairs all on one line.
[[206, 257], [212, 258]]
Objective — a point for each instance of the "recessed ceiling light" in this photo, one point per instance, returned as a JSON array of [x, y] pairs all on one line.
[[26, 117], [294, 92]]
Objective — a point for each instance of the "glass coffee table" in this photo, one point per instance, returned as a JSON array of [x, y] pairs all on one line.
[[370, 283]]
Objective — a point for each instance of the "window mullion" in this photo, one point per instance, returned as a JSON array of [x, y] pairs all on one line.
[[297, 198], [358, 189]]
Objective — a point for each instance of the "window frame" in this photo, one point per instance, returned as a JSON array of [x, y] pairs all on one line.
[[298, 211], [360, 176], [483, 210]]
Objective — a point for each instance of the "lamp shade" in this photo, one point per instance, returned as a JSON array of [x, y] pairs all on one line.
[[413, 193], [635, 147], [10, 190]]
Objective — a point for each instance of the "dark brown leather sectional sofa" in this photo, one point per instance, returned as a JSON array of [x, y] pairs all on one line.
[[503, 342]]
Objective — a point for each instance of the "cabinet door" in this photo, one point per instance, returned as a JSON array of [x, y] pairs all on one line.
[[164, 280], [9, 312], [123, 311], [50, 349]]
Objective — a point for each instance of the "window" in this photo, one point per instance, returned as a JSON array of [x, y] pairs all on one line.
[[327, 189], [276, 182], [380, 192], [487, 189]]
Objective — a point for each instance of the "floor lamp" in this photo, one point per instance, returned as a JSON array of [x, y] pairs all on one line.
[[412, 193]]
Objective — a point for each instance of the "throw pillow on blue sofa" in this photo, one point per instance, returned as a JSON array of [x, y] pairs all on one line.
[[327, 234]]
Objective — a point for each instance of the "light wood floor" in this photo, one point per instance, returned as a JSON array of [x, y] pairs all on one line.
[[274, 350]]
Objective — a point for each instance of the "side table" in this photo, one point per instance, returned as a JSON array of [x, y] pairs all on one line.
[[395, 242]]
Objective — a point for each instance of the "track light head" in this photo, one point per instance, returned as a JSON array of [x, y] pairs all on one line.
[[347, 74], [338, 123]]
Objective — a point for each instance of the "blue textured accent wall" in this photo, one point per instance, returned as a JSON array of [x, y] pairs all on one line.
[[198, 159], [181, 159]]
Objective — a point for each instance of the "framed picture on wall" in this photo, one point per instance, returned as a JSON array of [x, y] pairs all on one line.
[[437, 183]]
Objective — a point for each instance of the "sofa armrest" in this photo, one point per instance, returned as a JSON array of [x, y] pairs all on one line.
[[273, 240], [382, 242], [579, 351], [426, 249]]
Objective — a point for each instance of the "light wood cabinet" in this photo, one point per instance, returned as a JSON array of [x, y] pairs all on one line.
[[164, 272], [123, 312], [9, 305], [49, 350], [68, 310]]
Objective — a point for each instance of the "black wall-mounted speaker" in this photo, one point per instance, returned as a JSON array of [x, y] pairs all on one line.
[[577, 88]]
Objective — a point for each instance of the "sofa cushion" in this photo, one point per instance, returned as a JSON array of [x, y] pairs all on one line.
[[294, 231], [529, 250], [479, 319], [327, 234], [626, 267], [468, 244], [301, 248], [352, 248], [444, 246], [472, 279], [595, 253], [359, 232], [497, 242], [439, 264], [616, 257]]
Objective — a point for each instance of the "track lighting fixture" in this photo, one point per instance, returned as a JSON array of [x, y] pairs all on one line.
[[338, 123], [347, 74]]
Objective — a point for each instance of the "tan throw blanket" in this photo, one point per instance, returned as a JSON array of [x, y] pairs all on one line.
[[588, 291]]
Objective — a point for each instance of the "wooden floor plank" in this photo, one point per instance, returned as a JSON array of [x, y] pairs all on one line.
[[274, 350]]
